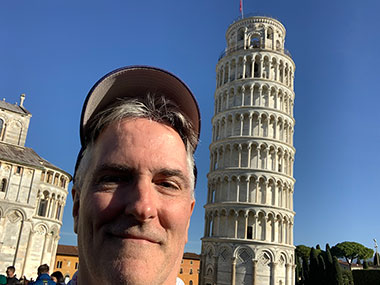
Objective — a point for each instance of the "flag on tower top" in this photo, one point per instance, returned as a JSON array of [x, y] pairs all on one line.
[[241, 8]]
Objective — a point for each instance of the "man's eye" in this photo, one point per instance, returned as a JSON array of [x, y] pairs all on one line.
[[168, 184], [105, 179]]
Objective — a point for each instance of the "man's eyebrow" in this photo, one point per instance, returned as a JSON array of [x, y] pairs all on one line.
[[112, 167], [175, 172]]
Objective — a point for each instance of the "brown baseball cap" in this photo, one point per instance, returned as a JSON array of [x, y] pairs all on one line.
[[135, 81]]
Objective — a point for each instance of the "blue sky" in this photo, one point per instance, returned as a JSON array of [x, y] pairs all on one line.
[[54, 51]]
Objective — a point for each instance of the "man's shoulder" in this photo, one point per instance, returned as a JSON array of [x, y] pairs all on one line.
[[44, 279], [13, 280]]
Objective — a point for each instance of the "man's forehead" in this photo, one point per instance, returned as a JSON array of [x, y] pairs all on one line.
[[130, 137]]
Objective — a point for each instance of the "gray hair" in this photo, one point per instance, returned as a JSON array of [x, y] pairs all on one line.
[[154, 107]]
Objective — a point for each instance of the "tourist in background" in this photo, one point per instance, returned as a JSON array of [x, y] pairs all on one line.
[[43, 276], [11, 276], [58, 278]]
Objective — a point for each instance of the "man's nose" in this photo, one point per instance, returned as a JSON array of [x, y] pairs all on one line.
[[141, 202]]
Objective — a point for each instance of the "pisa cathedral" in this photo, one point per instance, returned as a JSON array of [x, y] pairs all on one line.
[[32, 196], [248, 235]]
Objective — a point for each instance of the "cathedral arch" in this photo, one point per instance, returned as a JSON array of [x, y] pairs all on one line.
[[15, 215], [41, 228]]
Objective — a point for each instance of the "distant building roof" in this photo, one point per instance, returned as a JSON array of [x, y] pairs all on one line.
[[191, 255], [25, 155], [67, 250], [13, 108], [353, 265]]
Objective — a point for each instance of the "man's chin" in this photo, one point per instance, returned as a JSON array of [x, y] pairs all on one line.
[[134, 271]]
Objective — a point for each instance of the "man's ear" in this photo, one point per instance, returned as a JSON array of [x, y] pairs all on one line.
[[76, 195], [188, 222]]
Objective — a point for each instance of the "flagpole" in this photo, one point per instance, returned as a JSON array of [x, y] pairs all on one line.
[[241, 9]]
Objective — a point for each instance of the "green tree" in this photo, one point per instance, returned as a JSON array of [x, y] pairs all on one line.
[[337, 272], [350, 251], [365, 264], [306, 271], [322, 276], [329, 266], [347, 277], [314, 276], [298, 270], [303, 251]]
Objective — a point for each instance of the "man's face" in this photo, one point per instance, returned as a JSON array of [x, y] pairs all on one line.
[[10, 273], [135, 206]]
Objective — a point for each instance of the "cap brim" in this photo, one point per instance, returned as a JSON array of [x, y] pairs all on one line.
[[135, 81]]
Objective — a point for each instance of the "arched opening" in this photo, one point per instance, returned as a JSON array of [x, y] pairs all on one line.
[[1, 128], [3, 185], [43, 205], [255, 42], [270, 34]]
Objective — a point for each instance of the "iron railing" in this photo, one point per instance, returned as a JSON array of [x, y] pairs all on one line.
[[253, 14], [231, 50]]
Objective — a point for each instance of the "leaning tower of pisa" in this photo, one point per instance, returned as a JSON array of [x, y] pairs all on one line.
[[248, 236]]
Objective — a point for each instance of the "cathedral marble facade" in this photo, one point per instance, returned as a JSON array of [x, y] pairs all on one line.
[[33, 194]]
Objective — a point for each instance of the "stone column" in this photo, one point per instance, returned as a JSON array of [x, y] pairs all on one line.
[[239, 161], [257, 191], [254, 267], [241, 123], [273, 273], [244, 67], [247, 194], [237, 189], [293, 274], [62, 208], [253, 67], [259, 126], [236, 216], [27, 254], [233, 271], [53, 252], [44, 248], [251, 94], [287, 274], [258, 157], [250, 125], [260, 95], [232, 124], [245, 225], [228, 188], [216, 269], [50, 199], [217, 226], [242, 95], [249, 153]]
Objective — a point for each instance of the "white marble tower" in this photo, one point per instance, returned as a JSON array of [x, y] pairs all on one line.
[[248, 236]]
